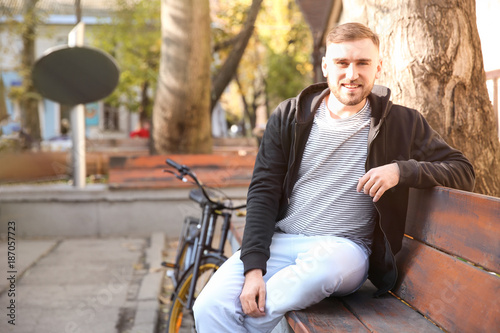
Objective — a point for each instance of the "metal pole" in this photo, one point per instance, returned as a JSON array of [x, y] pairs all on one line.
[[77, 119]]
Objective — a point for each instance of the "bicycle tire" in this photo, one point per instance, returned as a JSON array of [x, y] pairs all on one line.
[[179, 317]]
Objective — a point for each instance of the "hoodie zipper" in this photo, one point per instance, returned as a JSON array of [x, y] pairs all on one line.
[[292, 164]]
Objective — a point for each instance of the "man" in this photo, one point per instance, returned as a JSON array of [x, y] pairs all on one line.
[[327, 202]]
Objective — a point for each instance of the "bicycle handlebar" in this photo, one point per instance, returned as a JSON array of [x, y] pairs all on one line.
[[186, 171], [176, 165]]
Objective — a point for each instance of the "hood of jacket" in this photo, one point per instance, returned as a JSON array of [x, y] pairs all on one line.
[[311, 98]]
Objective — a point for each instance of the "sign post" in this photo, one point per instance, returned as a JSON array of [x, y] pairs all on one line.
[[75, 75], [77, 119]]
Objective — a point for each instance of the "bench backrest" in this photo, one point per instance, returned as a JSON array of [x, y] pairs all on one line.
[[450, 261]]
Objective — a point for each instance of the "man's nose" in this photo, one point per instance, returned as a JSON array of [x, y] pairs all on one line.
[[351, 72]]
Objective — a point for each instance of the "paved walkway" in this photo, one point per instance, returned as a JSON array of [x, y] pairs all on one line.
[[81, 285]]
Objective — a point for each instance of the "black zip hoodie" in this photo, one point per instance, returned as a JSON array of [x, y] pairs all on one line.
[[397, 134]]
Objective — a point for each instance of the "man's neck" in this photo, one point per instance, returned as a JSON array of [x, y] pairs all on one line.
[[341, 111]]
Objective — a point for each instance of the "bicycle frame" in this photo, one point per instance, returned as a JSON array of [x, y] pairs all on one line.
[[203, 248], [205, 241]]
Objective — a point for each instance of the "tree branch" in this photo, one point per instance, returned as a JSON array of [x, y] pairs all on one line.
[[225, 44], [226, 73]]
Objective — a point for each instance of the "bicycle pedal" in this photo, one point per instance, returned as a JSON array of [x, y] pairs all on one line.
[[167, 264]]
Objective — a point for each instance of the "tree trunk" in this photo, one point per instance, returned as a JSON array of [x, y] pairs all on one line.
[[226, 73], [181, 113], [145, 102], [30, 121], [433, 63], [3, 105], [78, 11], [251, 116]]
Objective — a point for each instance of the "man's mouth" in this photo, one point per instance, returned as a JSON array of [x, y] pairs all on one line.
[[351, 85]]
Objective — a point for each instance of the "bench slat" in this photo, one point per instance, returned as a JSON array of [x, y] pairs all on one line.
[[386, 314], [461, 223], [329, 315], [454, 294]]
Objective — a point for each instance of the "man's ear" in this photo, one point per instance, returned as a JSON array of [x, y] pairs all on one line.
[[379, 69], [323, 67]]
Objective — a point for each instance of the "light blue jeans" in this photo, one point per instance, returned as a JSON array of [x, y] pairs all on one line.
[[301, 271]]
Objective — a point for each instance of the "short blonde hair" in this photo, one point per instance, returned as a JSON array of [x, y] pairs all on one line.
[[350, 32]]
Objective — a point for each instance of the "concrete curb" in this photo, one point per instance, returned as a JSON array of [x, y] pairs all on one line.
[[96, 211], [148, 306]]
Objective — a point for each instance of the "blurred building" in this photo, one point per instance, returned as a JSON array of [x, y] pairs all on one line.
[[59, 17]]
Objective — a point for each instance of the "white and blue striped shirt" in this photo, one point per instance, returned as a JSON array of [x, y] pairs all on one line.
[[324, 200]]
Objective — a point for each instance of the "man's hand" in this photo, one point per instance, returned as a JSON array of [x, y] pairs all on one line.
[[253, 295], [378, 180]]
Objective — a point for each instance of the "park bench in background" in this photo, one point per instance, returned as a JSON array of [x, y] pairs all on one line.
[[229, 165], [448, 273], [221, 169]]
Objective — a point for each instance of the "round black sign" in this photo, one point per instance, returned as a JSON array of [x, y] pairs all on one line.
[[75, 75]]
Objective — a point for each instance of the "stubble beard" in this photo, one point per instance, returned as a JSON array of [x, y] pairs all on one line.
[[349, 99]]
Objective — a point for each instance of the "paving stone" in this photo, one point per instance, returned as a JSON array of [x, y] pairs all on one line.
[[79, 286]]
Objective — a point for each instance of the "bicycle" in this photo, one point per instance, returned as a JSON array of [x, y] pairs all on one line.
[[196, 259]]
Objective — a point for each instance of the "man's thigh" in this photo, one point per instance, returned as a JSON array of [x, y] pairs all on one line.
[[308, 269], [225, 286]]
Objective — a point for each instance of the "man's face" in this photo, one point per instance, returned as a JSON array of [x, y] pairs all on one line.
[[351, 69]]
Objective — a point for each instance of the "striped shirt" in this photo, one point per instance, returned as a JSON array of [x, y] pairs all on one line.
[[324, 200]]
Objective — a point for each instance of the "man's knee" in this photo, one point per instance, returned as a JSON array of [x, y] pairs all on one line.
[[209, 303], [214, 314], [200, 307]]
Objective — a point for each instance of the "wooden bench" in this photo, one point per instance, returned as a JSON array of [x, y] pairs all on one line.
[[448, 273], [222, 169]]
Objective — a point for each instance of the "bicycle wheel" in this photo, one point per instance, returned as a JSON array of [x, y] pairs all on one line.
[[181, 319]]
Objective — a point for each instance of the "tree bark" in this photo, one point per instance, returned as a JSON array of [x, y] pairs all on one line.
[[145, 102], [432, 61], [252, 117], [30, 120], [3, 106], [78, 11], [181, 113], [226, 73]]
